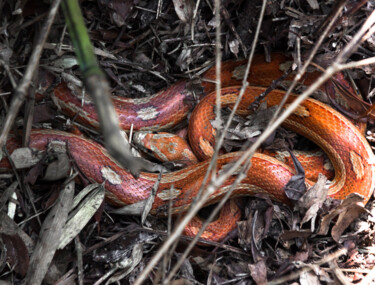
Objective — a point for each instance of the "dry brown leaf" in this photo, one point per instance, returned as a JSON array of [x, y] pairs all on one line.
[[119, 10], [59, 168], [258, 272], [292, 234], [16, 252], [302, 255], [250, 232], [317, 194], [313, 200], [313, 4], [25, 157], [308, 278], [184, 9], [347, 212]]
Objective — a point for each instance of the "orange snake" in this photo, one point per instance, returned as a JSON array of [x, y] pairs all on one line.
[[346, 147]]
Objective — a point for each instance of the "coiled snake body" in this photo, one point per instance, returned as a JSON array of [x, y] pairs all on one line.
[[346, 147]]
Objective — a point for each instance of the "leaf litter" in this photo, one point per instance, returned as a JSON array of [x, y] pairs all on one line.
[[145, 46]]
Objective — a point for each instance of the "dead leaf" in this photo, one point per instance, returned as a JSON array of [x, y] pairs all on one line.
[[49, 236], [309, 278], [25, 157], [58, 169], [43, 113], [117, 249], [313, 4], [184, 9], [251, 231], [234, 47], [347, 212], [316, 194], [292, 234], [303, 255], [17, 253], [127, 265], [258, 272], [296, 186], [119, 9], [5, 53], [313, 200], [85, 205], [184, 59], [150, 200]]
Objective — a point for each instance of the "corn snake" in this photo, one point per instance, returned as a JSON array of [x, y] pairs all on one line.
[[348, 150]]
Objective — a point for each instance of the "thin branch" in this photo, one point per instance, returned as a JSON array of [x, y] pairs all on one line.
[[218, 72], [356, 64]]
